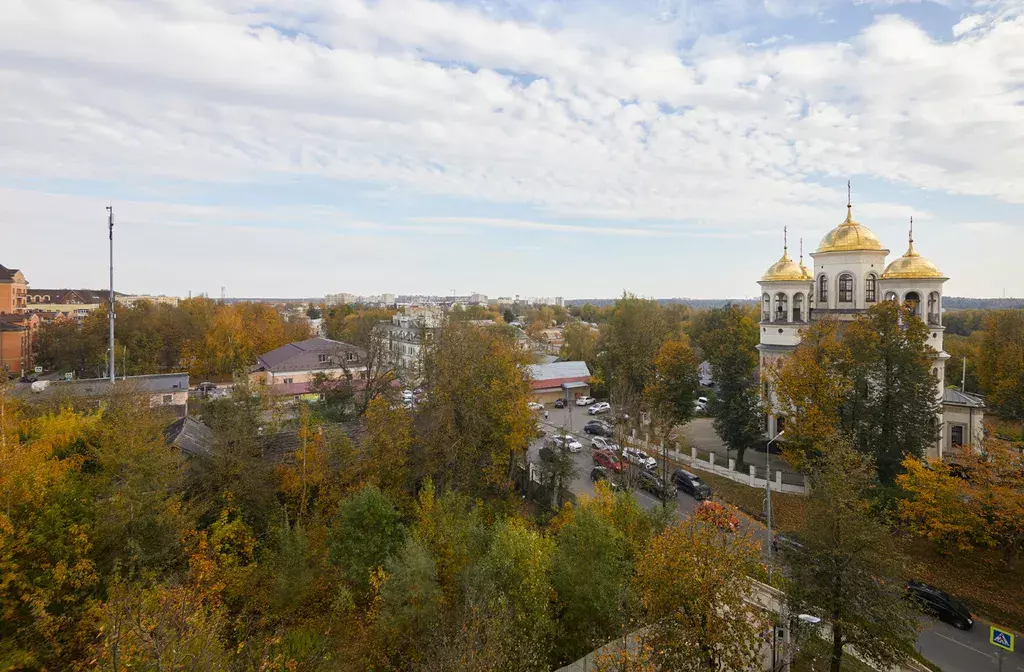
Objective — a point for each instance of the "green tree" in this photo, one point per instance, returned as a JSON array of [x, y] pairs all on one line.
[[892, 409], [728, 339], [1001, 369], [672, 393], [366, 532], [387, 442], [629, 343], [580, 344], [848, 569], [410, 608]]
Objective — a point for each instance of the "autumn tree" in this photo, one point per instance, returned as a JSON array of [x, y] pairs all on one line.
[[847, 568], [386, 446], [475, 422], [692, 587], [365, 534], [629, 344], [1001, 369], [672, 393], [580, 344], [728, 339]]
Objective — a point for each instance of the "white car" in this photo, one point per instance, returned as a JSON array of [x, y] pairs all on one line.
[[639, 458], [567, 441], [702, 402], [585, 401], [601, 443], [599, 407], [535, 406]]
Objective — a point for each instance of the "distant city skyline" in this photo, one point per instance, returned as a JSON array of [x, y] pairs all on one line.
[[576, 147]]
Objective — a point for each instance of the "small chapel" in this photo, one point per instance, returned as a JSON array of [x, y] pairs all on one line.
[[850, 275]]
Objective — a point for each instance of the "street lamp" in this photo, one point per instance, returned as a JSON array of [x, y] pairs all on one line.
[[768, 496]]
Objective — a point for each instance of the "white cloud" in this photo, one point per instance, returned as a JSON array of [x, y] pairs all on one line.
[[728, 136]]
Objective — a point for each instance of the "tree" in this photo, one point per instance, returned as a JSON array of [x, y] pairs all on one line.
[[728, 338], [1001, 369], [365, 534], [590, 576], [475, 422], [508, 316], [673, 392], [629, 343], [387, 441], [892, 408], [848, 569], [975, 499], [580, 343], [692, 587], [812, 386]]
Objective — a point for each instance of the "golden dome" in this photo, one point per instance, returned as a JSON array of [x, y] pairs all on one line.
[[785, 269], [911, 266], [849, 236]]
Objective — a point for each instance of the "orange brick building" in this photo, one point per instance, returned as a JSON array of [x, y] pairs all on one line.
[[17, 329]]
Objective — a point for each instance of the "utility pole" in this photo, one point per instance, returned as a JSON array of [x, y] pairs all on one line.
[[110, 225], [768, 504], [963, 377]]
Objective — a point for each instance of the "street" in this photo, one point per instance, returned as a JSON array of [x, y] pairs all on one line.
[[951, 649]]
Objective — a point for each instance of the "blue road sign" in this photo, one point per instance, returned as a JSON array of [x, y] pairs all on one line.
[[1001, 638]]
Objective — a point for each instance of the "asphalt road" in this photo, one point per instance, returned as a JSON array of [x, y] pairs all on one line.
[[951, 649]]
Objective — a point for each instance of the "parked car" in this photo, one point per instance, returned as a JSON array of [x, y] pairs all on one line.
[[691, 485], [559, 403], [601, 443], [703, 402], [639, 458], [599, 407], [534, 406], [567, 441], [661, 488], [608, 460], [599, 428], [940, 605], [585, 401], [28, 379], [786, 543]]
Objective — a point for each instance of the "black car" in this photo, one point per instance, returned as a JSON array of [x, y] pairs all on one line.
[[786, 544], [599, 428], [654, 484], [28, 379], [601, 474], [691, 485], [940, 605], [559, 403]]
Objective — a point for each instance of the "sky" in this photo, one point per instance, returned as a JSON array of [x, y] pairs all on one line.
[[576, 148]]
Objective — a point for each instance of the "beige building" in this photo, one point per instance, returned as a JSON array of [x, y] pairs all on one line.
[[290, 369], [73, 303], [850, 275]]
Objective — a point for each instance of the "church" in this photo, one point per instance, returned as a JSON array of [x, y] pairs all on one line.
[[850, 275]]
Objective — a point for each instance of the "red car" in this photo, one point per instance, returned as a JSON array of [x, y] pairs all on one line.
[[608, 460]]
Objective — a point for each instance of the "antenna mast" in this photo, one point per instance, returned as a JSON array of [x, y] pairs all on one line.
[[110, 226]]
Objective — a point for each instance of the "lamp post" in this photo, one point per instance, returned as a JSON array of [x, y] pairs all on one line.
[[768, 496]]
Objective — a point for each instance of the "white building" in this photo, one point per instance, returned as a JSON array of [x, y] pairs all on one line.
[[850, 275], [407, 335]]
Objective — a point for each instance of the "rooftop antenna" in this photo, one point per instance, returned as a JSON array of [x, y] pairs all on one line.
[[110, 226]]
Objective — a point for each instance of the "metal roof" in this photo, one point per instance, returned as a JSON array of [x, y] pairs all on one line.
[[558, 370], [955, 397], [304, 355]]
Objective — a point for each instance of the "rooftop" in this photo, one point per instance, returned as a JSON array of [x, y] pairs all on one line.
[[953, 396], [558, 371], [304, 355]]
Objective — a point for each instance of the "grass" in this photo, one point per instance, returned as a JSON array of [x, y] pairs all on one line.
[[990, 585]]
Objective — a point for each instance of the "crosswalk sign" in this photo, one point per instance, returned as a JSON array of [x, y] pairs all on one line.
[[1001, 638]]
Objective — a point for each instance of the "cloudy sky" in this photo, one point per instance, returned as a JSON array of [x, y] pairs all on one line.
[[540, 147]]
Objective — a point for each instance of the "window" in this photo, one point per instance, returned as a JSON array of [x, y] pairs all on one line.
[[350, 356], [823, 290], [846, 288], [767, 390], [798, 308], [913, 301], [288, 381], [322, 358], [933, 308], [168, 398], [781, 307], [766, 308], [780, 424], [891, 296], [870, 287], [956, 435]]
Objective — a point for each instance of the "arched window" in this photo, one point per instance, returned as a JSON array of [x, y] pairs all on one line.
[[766, 308], [781, 307], [913, 301], [823, 291], [798, 307], [870, 287], [845, 288], [780, 424], [933, 308], [891, 296]]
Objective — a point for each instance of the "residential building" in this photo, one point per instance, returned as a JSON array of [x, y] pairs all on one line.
[[13, 290], [131, 299], [290, 369], [850, 276], [164, 390], [74, 303], [405, 337], [559, 380]]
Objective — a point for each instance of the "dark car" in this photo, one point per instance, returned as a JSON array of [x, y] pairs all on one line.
[[691, 485], [559, 403], [786, 544], [599, 428], [940, 605], [656, 485], [601, 474], [28, 379]]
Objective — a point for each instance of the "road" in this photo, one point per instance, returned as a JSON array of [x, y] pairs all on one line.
[[951, 649]]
